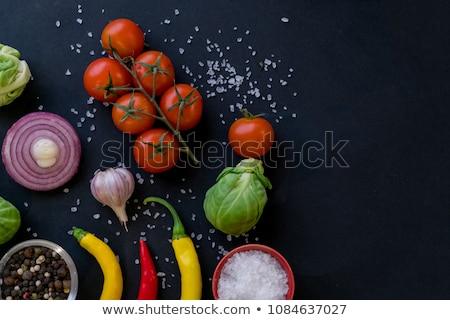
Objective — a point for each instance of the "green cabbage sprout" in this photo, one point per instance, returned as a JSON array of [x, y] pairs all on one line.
[[236, 201], [14, 74], [9, 220]]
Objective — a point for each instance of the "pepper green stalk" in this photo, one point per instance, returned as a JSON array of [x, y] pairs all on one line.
[[178, 228]]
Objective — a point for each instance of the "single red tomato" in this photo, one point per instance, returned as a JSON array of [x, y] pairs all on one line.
[[154, 64], [102, 76], [124, 36], [156, 150], [184, 102], [133, 113], [251, 136]]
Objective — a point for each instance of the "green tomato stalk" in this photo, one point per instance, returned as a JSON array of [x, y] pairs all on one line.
[[236, 201]]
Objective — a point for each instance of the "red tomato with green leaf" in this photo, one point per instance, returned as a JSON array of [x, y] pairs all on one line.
[[101, 78], [155, 72], [156, 150], [251, 136], [182, 105], [124, 36], [133, 113]]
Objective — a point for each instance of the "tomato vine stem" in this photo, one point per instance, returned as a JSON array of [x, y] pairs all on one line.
[[152, 97]]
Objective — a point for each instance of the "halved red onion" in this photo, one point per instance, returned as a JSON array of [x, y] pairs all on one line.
[[41, 151]]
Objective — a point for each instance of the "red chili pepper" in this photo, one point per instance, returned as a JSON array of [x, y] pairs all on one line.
[[148, 288]]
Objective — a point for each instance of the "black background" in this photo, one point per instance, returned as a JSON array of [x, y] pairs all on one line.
[[373, 74]]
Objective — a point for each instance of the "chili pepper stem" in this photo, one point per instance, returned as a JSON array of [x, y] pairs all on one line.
[[178, 228]]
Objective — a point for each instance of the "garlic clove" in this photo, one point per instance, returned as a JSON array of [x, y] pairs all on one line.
[[113, 187]]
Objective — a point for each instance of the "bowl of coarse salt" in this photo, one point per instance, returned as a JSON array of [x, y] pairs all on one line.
[[253, 272]]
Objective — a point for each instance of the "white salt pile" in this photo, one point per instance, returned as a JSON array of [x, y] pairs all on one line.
[[252, 275]]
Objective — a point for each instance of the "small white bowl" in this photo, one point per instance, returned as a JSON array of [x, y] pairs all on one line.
[[50, 245]]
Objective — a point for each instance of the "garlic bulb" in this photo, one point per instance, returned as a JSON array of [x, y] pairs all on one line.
[[113, 187]]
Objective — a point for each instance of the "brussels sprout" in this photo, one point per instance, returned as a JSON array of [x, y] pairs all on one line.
[[9, 220], [236, 201], [14, 74]]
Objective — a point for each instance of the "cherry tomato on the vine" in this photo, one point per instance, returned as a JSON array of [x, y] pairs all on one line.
[[156, 150], [124, 36], [133, 113], [101, 77], [251, 136], [184, 102], [153, 62]]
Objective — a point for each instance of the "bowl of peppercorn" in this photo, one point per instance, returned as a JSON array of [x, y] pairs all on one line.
[[38, 270]]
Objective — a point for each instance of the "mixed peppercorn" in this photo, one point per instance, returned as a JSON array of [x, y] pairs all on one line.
[[36, 273]]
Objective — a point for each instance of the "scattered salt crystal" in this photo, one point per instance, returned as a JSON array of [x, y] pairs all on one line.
[[96, 216], [136, 261], [68, 72], [66, 190], [176, 11], [25, 204], [79, 20], [284, 19], [181, 50], [58, 23], [167, 21], [89, 34], [73, 209], [294, 115]]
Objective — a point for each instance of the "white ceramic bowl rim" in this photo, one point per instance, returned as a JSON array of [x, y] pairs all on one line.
[[51, 245]]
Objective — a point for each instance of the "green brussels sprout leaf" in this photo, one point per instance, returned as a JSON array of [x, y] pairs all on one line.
[[14, 74], [236, 201]]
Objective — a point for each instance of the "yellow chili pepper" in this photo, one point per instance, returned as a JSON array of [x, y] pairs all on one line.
[[112, 273], [185, 254]]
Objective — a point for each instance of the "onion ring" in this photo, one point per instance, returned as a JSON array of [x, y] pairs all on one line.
[[19, 156]]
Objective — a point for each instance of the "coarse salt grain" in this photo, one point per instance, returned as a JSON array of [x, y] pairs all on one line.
[[252, 275]]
